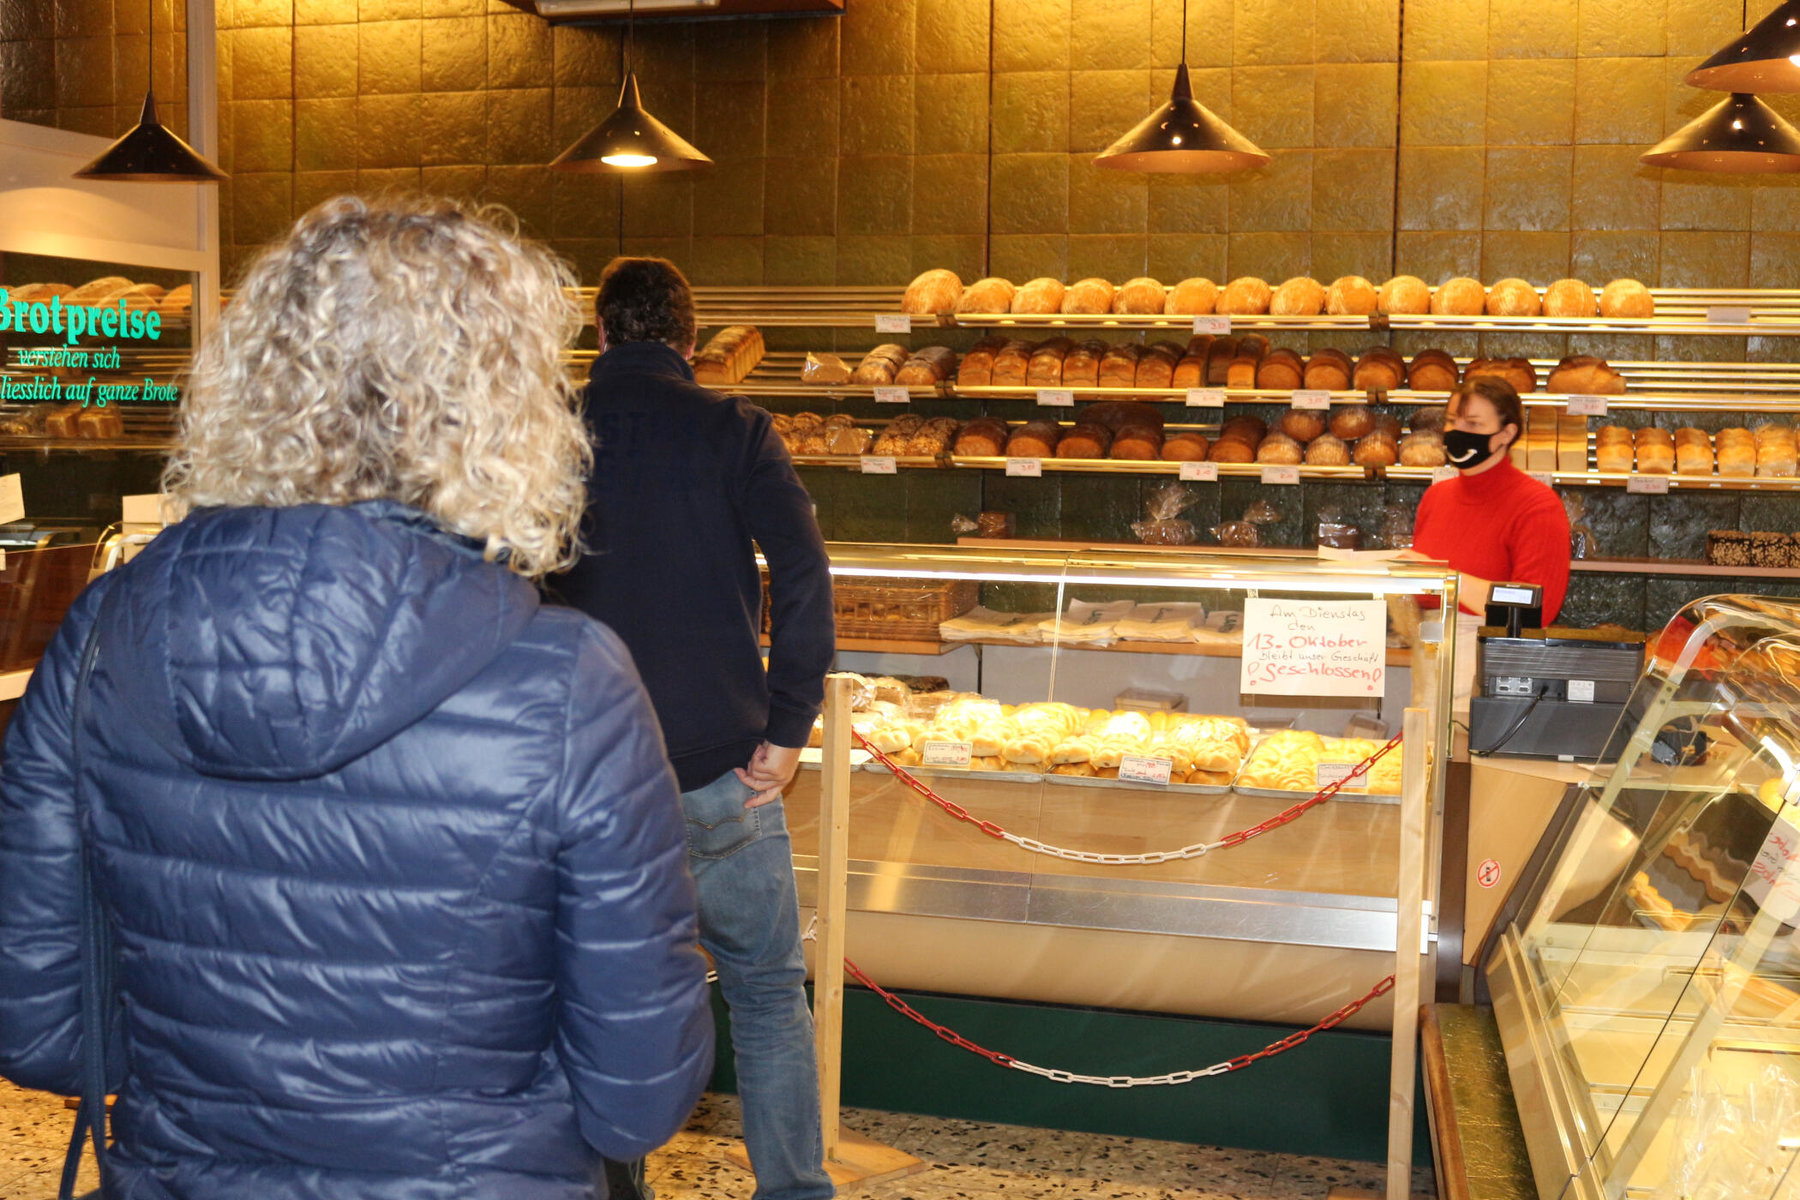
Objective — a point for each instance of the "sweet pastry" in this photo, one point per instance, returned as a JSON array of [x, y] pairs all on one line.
[[1195, 297], [1459, 297], [1351, 295], [1432, 371], [1141, 296], [1287, 761], [880, 365], [1185, 447], [1569, 298], [1092, 295], [1404, 295], [1513, 298], [934, 291], [1039, 297], [1626, 298], [1298, 297], [1245, 296]]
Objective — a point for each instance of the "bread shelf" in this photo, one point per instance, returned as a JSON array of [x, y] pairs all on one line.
[[1677, 567], [1395, 657]]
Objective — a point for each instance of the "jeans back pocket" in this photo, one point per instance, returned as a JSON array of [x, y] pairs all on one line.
[[718, 824]]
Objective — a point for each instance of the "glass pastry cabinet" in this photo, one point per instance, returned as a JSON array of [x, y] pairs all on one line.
[[1648, 995], [1061, 675]]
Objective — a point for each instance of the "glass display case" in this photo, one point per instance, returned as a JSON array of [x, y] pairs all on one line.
[[1071, 672], [1649, 996]]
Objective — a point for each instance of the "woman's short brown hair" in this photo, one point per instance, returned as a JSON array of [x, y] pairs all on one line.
[[645, 300], [1502, 395]]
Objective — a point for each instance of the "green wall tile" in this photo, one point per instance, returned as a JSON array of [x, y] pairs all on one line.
[[1353, 189], [1277, 103], [518, 126], [1030, 111], [1367, 254], [950, 114], [728, 198], [803, 49], [1441, 187], [1531, 102], [388, 10], [325, 61], [1178, 256], [1027, 256], [574, 110], [1036, 35], [869, 259], [802, 118], [1445, 29], [1698, 27], [1681, 103], [1443, 103], [949, 193], [659, 206], [336, 12], [1355, 104], [728, 121], [1189, 203], [1613, 190], [1695, 200], [327, 135], [1109, 255], [312, 188], [1619, 100], [454, 129], [453, 54], [800, 261], [528, 192], [1705, 259], [874, 194], [934, 497], [1030, 193], [1101, 507], [800, 195], [952, 35], [584, 207], [1529, 187], [878, 38], [1106, 201], [1435, 257], [389, 130], [964, 253], [1602, 257], [388, 57], [1270, 256], [1531, 28], [675, 249], [1775, 206], [262, 207], [464, 181], [1270, 32], [875, 114], [1775, 260], [1539, 257], [1103, 105], [732, 52], [726, 260], [1275, 197]]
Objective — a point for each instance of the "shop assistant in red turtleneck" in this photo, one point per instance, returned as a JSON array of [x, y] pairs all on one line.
[[1499, 525]]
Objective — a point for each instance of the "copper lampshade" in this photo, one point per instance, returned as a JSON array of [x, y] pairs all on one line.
[[1740, 134], [630, 140], [1765, 58]]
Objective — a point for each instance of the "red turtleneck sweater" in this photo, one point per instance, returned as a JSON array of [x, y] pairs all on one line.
[[1501, 525]]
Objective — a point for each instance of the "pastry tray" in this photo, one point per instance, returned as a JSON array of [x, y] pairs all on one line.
[[1296, 797], [1197, 789]]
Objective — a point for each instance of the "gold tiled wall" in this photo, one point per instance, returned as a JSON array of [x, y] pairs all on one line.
[[1476, 139], [82, 65]]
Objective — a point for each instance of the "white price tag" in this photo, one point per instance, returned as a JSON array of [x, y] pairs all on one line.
[[947, 754], [1028, 468], [12, 500], [1727, 314], [1439, 474], [1314, 398], [1056, 397], [1648, 485], [892, 395], [893, 323], [1326, 774], [1281, 474], [1206, 397], [1545, 478], [878, 464], [1587, 406], [1215, 324], [1581, 691], [1143, 768], [1200, 472]]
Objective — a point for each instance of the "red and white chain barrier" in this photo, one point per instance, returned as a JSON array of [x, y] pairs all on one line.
[[1286, 815]]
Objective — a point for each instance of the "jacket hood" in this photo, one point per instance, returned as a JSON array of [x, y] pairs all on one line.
[[280, 643]]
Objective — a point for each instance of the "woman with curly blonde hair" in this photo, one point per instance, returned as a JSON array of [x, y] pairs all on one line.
[[384, 860]]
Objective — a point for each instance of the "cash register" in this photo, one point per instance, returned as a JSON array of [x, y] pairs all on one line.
[[1546, 693]]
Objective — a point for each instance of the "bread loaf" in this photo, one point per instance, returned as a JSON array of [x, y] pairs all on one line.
[[1327, 451], [1404, 295], [1614, 458], [934, 291], [1241, 371], [1156, 365], [880, 365], [142, 297], [99, 292], [1039, 297], [1045, 367], [1656, 458], [1245, 428], [1118, 367], [1298, 297], [1626, 298], [1352, 421], [63, 422], [729, 355], [1091, 295], [1231, 450], [1192, 297], [1302, 424], [1517, 371], [1219, 357], [1375, 450], [1279, 449], [1569, 298], [1085, 441], [1389, 424], [985, 296], [821, 367], [1120, 414], [1693, 457], [1735, 451], [99, 423], [928, 367], [1379, 369], [1081, 366], [1138, 443], [1459, 297], [1190, 370], [1034, 439], [1513, 298], [1012, 364], [1140, 296], [39, 293], [1585, 375], [1280, 371], [1184, 447], [1432, 371], [1245, 296], [984, 437], [1351, 295], [1329, 369], [977, 366], [1421, 450], [177, 302]]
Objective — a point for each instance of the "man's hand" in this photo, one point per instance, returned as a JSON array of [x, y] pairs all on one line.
[[770, 769]]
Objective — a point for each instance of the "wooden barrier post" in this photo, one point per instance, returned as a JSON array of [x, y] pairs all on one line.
[[1409, 936], [834, 856]]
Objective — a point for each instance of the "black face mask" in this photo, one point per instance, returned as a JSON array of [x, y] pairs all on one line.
[[1465, 449]]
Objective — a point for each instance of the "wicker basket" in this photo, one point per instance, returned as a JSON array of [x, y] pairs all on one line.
[[905, 610]]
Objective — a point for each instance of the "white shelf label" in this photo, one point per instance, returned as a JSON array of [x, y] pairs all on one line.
[[1200, 472], [1143, 768], [1587, 406], [1027, 468], [1439, 474], [1727, 314], [893, 323], [878, 464], [12, 500], [1581, 691], [947, 754], [1648, 485], [1056, 397], [1215, 324], [1326, 774], [893, 395], [1314, 398], [1545, 478], [1206, 397], [1281, 474]]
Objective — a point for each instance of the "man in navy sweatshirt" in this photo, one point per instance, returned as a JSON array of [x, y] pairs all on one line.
[[684, 481]]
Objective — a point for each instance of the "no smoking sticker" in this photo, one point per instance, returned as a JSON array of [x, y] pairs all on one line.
[[1488, 873]]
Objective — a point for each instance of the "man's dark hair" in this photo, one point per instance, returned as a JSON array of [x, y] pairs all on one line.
[[1503, 396], [645, 300]]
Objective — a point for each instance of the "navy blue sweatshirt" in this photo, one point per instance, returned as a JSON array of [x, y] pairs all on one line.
[[684, 480]]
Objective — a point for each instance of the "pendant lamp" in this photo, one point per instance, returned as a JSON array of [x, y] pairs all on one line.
[[1738, 135], [1183, 135], [1765, 58], [151, 153], [630, 139]]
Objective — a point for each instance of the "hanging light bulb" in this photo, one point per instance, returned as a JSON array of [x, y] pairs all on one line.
[[1183, 135], [630, 140], [1740, 134], [1765, 58], [151, 152]]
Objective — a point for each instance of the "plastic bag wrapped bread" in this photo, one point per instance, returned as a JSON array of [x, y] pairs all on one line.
[[879, 366], [729, 355], [1160, 622], [987, 296], [847, 440], [934, 291], [824, 368], [1087, 624], [985, 625]]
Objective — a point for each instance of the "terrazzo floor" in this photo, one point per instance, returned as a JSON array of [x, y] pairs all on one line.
[[969, 1159]]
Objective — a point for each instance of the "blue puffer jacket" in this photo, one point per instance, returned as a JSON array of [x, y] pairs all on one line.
[[394, 858]]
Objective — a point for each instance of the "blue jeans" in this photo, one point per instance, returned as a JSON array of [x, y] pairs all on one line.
[[750, 923]]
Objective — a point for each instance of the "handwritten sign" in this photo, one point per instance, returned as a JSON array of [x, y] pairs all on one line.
[[1774, 878], [878, 464], [1587, 406], [1145, 768], [893, 323], [1317, 399], [1213, 324], [1056, 397], [1544, 477], [1200, 472], [1648, 485], [12, 499], [1206, 397], [1281, 474], [1026, 468], [1439, 474], [892, 395], [1314, 647], [947, 754], [1326, 774]]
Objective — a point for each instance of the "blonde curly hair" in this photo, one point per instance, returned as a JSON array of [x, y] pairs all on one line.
[[405, 349]]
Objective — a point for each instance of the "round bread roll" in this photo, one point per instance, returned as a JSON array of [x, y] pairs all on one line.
[[1421, 450], [1351, 295], [1138, 442], [934, 291], [143, 297], [1185, 447], [1459, 297], [1432, 371], [1040, 296], [1375, 450], [1302, 424], [1429, 419], [1192, 297], [1245, 296], [1327, 451], [991, 295], [1298, 297], [1389, 425], [1329, 368], [1351, 421], [1246, 428], [1234, 450], [1404, 294], [1379, 369], [1513, 298], [99, 292], [1140, 296], [1280, 450], [1626, 298], [1092, 295], [1569, 298], [1280, 371]]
